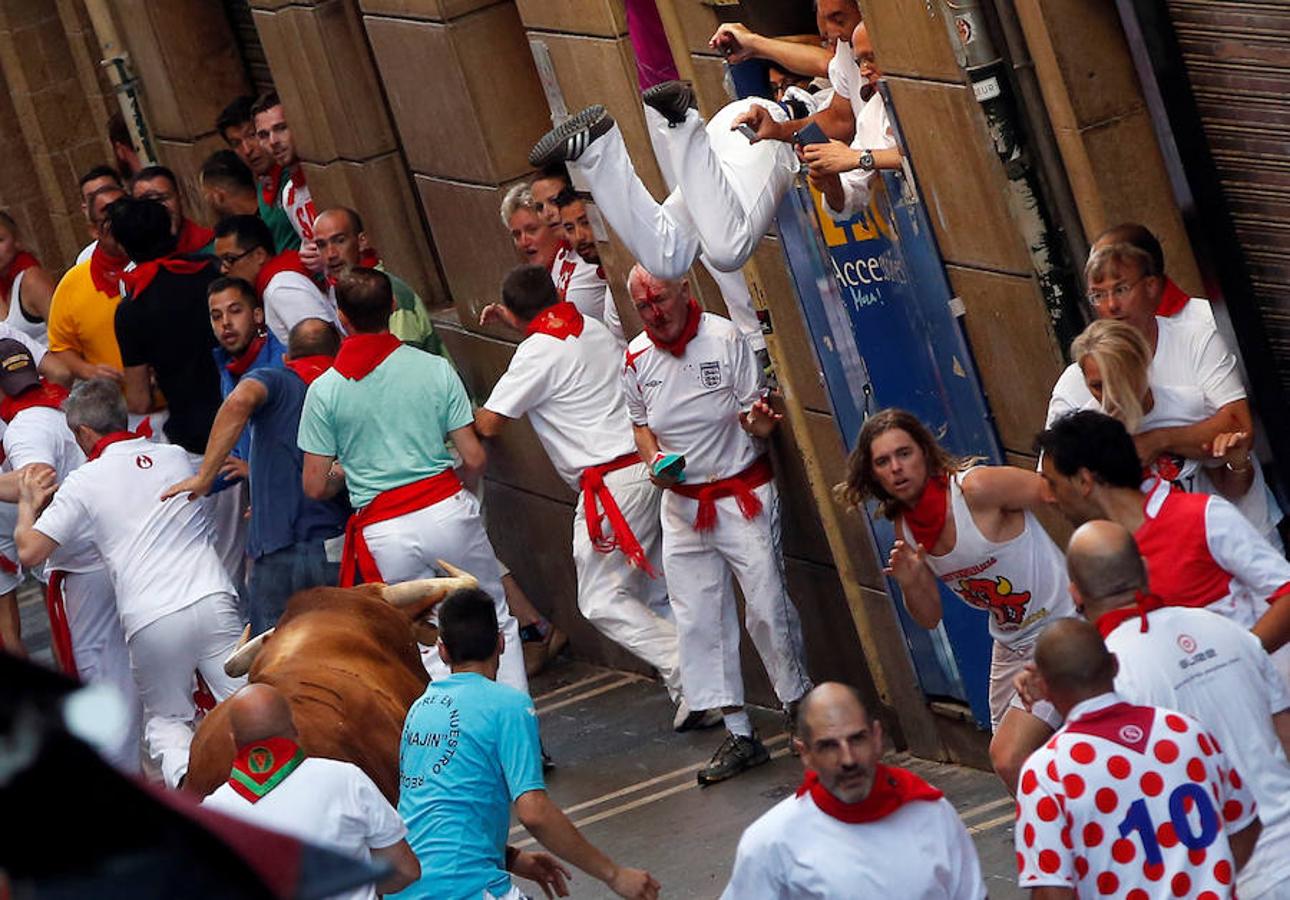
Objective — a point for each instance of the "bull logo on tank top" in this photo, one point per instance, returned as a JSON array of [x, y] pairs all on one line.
[[143, 461], [995, 595]]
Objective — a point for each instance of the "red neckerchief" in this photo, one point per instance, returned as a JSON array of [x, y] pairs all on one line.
[[193, 238], [308, 368], [693, 316], [1173, 300], [261, 766], [1142, 604], [598, 503], [108, 440], [138, 278], [21, 262], [237, 367], [271, 185], [44, 394], [106, 271], [286, 261], [560, 320], [926, 519], [892, 789], [361, 353]]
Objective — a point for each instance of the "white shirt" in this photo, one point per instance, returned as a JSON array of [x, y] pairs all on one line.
[[325, 802], [1189, 353], [919, 852], [573, 396], [290, 297], [692, 403], [297, 203], [160, 555], [873, 132], [845, 76], [1107, 783], [1209, 668], [86, 252], [580, 282], [40, 434]]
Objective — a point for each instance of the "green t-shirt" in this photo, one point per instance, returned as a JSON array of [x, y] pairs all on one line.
[[410, 323], [279, 225], [388, 429]]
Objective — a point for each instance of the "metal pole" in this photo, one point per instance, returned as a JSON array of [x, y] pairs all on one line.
[[987, 73], [116, 60]]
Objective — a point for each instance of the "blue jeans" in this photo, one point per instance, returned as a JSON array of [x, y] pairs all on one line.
[[277, 575]]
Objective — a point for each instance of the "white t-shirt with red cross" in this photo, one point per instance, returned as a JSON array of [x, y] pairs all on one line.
[[1201, 552], [571, 390], [160, 555], [1217, 672], [692, 402], [1132, 802]]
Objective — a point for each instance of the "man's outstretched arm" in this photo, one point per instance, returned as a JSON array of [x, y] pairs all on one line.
[[231, 420]]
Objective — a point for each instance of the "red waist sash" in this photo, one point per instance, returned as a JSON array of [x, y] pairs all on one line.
[[598, 503], [356, 559], [739, 486]]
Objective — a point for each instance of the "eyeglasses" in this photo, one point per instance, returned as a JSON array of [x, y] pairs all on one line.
[[228, 260], [1119, 292]]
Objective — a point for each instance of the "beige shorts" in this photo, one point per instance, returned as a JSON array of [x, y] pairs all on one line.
[[1006, 662]]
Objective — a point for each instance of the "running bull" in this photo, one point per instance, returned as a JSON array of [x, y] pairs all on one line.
[[347, 661]]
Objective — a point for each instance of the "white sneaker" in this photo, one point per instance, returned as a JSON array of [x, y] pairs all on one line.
[[687, 719]]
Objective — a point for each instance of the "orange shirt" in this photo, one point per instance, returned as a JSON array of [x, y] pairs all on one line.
[[82, 319]]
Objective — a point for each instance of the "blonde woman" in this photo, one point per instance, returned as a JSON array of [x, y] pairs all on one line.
[[1115, 360]]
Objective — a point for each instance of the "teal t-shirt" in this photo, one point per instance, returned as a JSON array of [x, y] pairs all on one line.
[[469, 750], [284, 236], [389, 428]]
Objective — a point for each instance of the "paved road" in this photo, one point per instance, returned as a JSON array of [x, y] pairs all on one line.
[[629, 783]]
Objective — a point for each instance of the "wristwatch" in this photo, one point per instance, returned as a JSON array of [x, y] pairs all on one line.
[[866, 160]]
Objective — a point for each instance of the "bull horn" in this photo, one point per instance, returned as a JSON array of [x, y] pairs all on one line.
[[240, 660], [409, 592]]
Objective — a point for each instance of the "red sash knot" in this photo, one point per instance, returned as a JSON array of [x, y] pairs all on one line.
[[356, 558], [740, 486], [598, 503]]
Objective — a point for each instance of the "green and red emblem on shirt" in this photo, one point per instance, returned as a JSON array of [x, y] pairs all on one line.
[[262, 765]]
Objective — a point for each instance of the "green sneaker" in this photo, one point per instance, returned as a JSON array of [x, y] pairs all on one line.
[[735, 754]]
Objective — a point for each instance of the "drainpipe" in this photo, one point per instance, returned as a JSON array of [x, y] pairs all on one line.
[[116, 60], [987, 72]]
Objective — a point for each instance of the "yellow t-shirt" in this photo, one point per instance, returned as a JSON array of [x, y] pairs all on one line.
[[82, 318]]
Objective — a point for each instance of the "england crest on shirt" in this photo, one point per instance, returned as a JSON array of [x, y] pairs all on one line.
[[710, 374]]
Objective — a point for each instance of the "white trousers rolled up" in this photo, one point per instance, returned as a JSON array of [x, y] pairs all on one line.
[[701, 568], [409, 546], [618, 598], [164, 656], [98, 643], [725, 197]]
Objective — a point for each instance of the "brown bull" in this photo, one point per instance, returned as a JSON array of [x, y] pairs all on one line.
[[347, 661]]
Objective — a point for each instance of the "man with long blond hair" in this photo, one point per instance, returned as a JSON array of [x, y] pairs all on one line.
[[973, 528]]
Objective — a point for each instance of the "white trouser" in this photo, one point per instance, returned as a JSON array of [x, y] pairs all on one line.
[[699, 568], [734, 290], [733, 188], [618, 598], [98, 643], [164, 655], [408, 546]]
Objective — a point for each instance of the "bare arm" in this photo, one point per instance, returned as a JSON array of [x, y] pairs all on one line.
[[1194, 441], [11, 625], [319, 477], [474, 458], [1243, 843], [231, 420], [489, 424], [9, 486], [407, 868], [760, 420], [138, 390], [1052, 893], [908, 565], [646, 443], [36, 488], [837, 121], [79, 369], [36, 293], [1003, 487], [1273, 627], [553, 830], [739, 44]]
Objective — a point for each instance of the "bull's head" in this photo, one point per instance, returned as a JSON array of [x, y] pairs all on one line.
[[415, 598]]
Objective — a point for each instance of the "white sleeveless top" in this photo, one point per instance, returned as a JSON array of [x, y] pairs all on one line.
[[1021, 582], [18, 320]]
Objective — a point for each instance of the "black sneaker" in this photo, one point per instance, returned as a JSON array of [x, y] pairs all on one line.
[[566, 141], [735, 754], [671, 98]]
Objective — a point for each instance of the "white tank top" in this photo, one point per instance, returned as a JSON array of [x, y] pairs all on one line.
[[18, 320], [1022, 583]]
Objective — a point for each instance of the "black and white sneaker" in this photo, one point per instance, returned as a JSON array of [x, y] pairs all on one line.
[[735, 754], [672, 99], [567, 141], [687, 719]]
